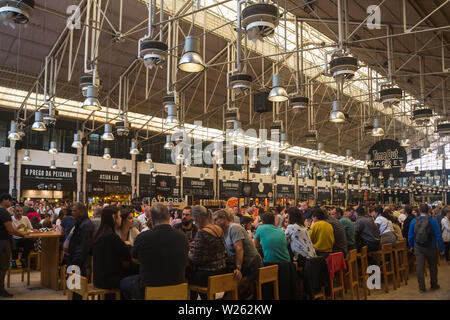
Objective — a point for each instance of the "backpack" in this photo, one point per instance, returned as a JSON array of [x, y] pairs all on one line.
[[422, 232]]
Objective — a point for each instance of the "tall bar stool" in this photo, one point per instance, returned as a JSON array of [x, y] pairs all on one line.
[[385, 259], [362, 257], [401, 262], [353, 276], [267, 274], [336, 264]]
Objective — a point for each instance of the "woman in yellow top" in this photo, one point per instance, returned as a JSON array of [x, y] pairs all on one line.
[[321, 233]]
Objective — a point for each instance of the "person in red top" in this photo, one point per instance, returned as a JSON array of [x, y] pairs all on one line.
[[32, 213]]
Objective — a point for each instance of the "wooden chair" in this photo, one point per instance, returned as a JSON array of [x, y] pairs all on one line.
[[216, 284], [321, 295], [362, 256], [353, 276], [337, 286], [33, 255], [176, 292], [8, 275], [387, 267], [267, 275], [87, 290], [401, 262]]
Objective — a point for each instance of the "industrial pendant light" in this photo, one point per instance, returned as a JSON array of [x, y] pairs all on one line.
[[426, 147], [89, 168], [278, 93], [38, 124], [206, 172], [191, 61], [320, 148], [377, 131], [107, 154], [284, 143], [336, 115], [77, 141], [13, 134], [91, 103], [107, 135], [26, 156], [53, 149], [7, 159], [148, 158], [348, 155], [168, 145], [53, 164], [152, 167], [114, 165], [287, 163], [133, 148], [75, 161], [219, 168], [124, 171], [405, 142]]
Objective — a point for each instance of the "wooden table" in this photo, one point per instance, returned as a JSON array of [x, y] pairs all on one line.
[[49, 257]]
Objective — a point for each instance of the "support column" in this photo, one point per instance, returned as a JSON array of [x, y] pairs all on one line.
[[346, 188], [13, 169], [315, 186], [80, 165], [295, 183], [133, 176]]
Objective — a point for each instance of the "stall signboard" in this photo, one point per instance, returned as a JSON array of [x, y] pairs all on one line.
[[229, 189], [323, 193], [44, 178], [106, 182], [263, 190], [387, 155], [202, 189], [285, 191], [162, 185], [247, 190]]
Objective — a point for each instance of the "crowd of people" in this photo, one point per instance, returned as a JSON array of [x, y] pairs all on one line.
[[134, 247]]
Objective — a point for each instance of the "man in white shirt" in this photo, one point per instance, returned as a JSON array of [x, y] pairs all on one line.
[[384, 225], [144, 217], [21, 223]]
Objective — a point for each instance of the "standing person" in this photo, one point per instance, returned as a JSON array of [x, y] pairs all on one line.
[[424, 236], [97, 217], [162, 253], [144, 218], [349, 227], [187, 225], [21, 223], [446, 232], [111, 256], [209, 255], [80, 239], [67, 223], [6, 230], [272, 240], [321, 233], [176, 217], [409, 217], [306, 212]]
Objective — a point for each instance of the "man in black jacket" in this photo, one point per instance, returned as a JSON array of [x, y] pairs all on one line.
[[409, 217], [81, 240]]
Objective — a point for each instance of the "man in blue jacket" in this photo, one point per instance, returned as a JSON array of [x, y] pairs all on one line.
[[424, 236]]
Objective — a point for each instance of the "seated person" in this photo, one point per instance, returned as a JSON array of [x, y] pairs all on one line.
[[23, 224], [272, 240], [340, 238], [298, 237], [162, 253], [321, 233], [209, 255], [46, 222], [348, 227], [127, 231], [110, 254], [247, 224], [187, 226], [366, 232]]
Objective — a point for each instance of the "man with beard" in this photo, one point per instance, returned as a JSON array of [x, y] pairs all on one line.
[[187, 225]]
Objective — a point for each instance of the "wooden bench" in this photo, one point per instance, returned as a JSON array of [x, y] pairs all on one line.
[[175, 292], [87, 290], [216, 284]]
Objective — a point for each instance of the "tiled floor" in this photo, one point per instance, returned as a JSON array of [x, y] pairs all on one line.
[[410, 292]]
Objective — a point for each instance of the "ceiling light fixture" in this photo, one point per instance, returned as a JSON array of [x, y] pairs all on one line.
[[169, 144], [377, 131], [91, 102], [13, 134], [106, 154], [77, 141], [336, 115], [278, 93], [26, 156], [38, 124], [108, 135], [191, 61], [53, 149]]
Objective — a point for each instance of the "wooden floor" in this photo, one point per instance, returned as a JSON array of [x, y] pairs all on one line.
[[410, 292]]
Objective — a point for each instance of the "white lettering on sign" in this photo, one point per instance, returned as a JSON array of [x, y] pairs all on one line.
[[109, 177]]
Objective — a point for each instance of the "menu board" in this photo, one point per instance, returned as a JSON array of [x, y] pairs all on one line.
[[162, 185], [285, 191], [106, 182], [323, 193], [203, 189], [44, 178], [229, 189], [263, 190]]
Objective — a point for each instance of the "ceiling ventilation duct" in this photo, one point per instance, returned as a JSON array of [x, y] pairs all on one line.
[[422, 116], [343, 67], [241, 83], [86, 81], [122, 128], [299, 103], [443, 129], [259, 20], [16, 12], [311, 139], [390, 96], [153, 53], [49, 113]]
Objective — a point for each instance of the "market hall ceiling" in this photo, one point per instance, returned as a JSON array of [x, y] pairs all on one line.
[[23, 52]]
